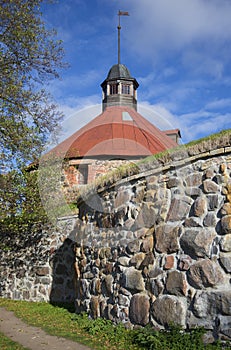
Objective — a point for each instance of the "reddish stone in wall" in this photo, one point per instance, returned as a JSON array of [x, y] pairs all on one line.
[[169, 262]]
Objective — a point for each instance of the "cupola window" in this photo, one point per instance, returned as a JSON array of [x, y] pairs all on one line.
[[126, 89], [113, 89]]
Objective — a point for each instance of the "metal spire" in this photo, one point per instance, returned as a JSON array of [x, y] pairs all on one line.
[[120, 13]]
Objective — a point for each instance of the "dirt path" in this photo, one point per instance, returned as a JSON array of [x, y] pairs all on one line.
[[32, 337]]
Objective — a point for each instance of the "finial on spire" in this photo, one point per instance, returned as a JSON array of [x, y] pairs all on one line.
[[120, 13]]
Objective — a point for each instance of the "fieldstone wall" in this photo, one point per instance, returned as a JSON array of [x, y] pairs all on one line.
[[154, 247], [37, 265]]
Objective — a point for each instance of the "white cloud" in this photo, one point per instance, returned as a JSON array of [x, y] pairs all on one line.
[[68, 92], [146, 80], [193, 125], [200, 63], [218, 104], [174, 95], [203, 123], [181, 21], [76, 82], [158, 115], [72, 105], [163, 28], [76, 117]]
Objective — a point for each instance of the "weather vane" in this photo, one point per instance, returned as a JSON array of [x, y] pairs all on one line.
[[120, 13]]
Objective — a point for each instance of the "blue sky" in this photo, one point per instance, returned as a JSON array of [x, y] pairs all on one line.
[[178, 50]]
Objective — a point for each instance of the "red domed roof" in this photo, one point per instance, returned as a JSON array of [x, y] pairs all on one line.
[[118, 132]]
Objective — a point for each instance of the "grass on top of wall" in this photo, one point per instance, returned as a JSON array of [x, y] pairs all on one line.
[[213, 141], [212, 137], [103, 334]]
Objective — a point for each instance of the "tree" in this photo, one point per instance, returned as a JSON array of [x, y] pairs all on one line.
[[30, 56]]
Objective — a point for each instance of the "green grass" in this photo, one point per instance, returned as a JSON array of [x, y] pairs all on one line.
[[211, 137], [220, 136], [102, 334], [60, 321], [8, 344]]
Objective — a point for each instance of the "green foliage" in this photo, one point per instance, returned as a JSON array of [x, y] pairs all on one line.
[[30, 55], [175, 339], [21, 211], [20, 198], [106, 330], [51, 189]]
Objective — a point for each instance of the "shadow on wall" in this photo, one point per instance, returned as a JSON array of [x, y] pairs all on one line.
[[64, 276], [63, 262]]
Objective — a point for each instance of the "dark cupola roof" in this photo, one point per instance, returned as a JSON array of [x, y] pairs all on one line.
[[119, 71], [119, 88]]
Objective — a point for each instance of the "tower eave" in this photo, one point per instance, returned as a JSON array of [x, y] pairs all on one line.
[[133, 80]]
